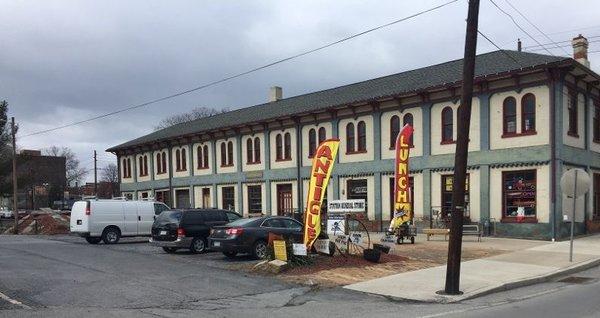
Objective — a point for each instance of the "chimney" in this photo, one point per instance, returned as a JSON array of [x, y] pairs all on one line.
[[275, 94], [580, 50], [519, 48]]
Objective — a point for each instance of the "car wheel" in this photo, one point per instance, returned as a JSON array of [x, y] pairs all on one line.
[[198, 245], [259, 250], [111, 235], [93, 240], [169, 250], [230, 254]]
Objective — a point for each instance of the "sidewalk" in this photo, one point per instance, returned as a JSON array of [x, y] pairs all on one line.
[[482, 276]]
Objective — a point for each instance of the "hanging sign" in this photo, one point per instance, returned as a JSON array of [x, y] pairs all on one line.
[[323, 162]]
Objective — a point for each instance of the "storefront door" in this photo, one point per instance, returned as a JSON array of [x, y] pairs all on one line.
[[284, 199], [206, 198]]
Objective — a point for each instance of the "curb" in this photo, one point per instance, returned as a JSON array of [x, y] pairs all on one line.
[[528, 281]]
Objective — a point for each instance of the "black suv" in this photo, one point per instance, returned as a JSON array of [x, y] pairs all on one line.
[[188, 229]]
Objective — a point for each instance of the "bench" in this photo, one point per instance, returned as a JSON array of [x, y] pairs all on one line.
[[472, 229], [431, 232]]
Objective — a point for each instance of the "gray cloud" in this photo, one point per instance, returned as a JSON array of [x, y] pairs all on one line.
[[63, 61]]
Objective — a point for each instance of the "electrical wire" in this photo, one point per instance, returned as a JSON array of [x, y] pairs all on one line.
[[563, 43], [501, 50], [519, 26], [228, 78], [535, 26]]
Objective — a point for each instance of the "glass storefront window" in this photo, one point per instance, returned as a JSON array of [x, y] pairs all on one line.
[[519, 193]]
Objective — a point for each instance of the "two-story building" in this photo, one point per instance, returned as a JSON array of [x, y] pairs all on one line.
[[533, 117]]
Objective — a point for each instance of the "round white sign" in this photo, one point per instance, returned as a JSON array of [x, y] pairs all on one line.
[[567, 182]]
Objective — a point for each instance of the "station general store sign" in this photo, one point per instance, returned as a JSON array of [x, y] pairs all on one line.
[[346, 206]]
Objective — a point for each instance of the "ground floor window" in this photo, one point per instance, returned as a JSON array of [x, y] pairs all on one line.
[[357, 189], [144, 195], [447, 188], [162, 196], [596, 186], [128, 196], [519, 193], [255, 199], [182, 199], [228, 197], [206, 198]]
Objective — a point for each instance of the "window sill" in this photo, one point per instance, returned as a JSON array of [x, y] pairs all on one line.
[[226, 166], [253, 163], [159, 173], [513, 219], [283, 160], [143, 175], [394, 148], [447, 142], [513, 135], [572, 134], [202, 168], [181, 170], [355, 152]]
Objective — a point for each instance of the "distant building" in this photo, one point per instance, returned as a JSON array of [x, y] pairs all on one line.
[[41, 180], [533, 117]]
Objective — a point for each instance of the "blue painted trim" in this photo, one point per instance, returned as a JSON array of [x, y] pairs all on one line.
[[426, 124], [484, 120], [426, 192], [268, 197], [377, 203], [484, 188], [190, 165], [376, 136], [240, 189]]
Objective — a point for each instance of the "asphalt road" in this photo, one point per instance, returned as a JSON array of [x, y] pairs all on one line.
[[63, 276]]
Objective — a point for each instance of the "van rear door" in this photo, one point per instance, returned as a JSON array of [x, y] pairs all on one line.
[[80, 221]]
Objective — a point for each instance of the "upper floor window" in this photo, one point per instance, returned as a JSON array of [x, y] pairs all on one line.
[[408, 120], [322, 135], [394, 130], [253, 150], [350, 140], [528, 113], [223, 154], [158, 163], [287, 146], [143, 161], [230, 153], [447, 125], [202, 157], [573, 121], [509, 116], [183, 160], [279, 147], [312, 142], [161, 162], [126, 167], [178, 160], [596, 121], [362, 136], [164, 162], [227, 153]]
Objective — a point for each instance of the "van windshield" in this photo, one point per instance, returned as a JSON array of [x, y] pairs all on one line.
[[169, 217]]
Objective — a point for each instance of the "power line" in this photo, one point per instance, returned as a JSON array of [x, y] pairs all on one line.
[[519, 26], [535, 26], [242, 73], [564, 43], [561, 32], [501, 50]]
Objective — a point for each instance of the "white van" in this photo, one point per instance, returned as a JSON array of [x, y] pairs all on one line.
[[109, 220]]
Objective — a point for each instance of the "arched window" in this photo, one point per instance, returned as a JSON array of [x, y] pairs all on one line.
[[447, 125], [199, 157], [158, 164], [256, 150], [223, 154], [362, 136], [509, 116], [177, 160], [528, 113], [394, 130], [408, 120], [164, 161], [205, 156], [322, 135], [124, 168], [141, 164], [287, 146], [312, 142], [129, 167], [350, 138], [145, 165], [230, 153], [249, 150], [278, 147], [183, 160]]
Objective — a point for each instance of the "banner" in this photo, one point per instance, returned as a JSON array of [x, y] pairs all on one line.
[[319, 178], [402, 199]]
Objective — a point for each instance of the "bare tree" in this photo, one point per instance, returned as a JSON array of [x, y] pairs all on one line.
[[196, 113], [75, 173], [109, 175]]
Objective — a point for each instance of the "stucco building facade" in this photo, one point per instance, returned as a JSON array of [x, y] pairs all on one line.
[[533, 117]]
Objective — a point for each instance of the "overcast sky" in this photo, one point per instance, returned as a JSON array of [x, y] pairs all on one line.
[[64, 61]]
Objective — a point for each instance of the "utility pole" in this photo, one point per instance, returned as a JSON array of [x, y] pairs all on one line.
[[95, 174], [13, 132], [462, 151]]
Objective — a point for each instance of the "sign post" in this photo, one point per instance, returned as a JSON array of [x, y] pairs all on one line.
[[574, 183]]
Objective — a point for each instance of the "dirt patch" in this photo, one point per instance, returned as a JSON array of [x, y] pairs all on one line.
[[42, 223]]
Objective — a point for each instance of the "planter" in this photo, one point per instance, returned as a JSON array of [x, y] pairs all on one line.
[[382, 248], [372, 255]]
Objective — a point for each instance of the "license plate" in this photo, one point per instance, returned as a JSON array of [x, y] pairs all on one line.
[[163, 233], [216, 243]]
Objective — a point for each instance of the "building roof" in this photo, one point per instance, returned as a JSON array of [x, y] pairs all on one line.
[[392, 85]]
